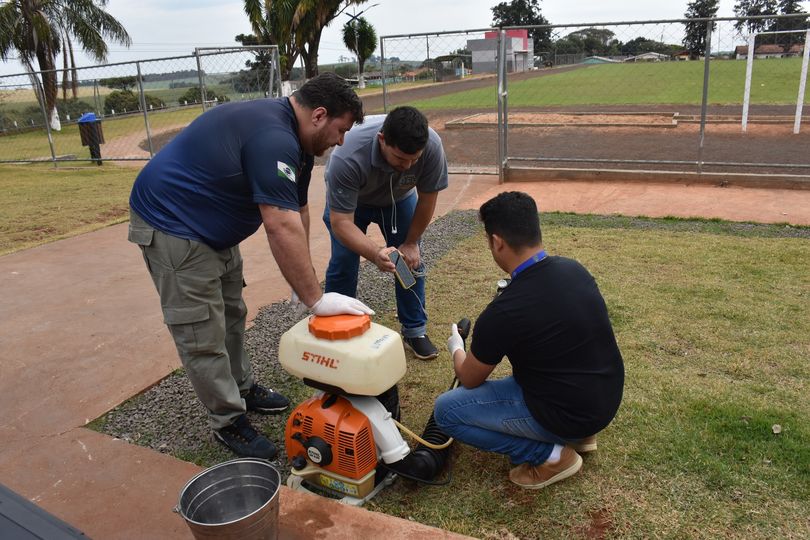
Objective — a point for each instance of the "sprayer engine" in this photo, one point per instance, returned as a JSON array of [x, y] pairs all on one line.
[[336, 438]]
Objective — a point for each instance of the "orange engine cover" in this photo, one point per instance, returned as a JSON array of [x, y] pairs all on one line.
[[346, 430]]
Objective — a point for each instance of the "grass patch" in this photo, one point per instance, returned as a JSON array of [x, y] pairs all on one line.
[[711, 318], [34, 145], [40, 204], [775, 81]]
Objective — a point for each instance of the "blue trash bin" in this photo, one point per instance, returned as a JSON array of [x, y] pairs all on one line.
[[91, 135]]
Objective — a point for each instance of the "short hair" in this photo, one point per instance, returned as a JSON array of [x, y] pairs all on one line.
[[513, 216], [333, 93], [406, 128]]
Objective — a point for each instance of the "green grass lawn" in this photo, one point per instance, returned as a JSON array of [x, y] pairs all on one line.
[[712, 323], [34, 145], [40, 204], [774, 81]]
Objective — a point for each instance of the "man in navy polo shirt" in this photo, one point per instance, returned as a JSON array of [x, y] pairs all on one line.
[[552, 324], [234, 168], [389, 172]]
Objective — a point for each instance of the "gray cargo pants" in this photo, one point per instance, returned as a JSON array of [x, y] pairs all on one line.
[[201, 297]]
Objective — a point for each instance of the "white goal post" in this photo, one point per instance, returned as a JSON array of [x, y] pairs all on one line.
[[802, 82]]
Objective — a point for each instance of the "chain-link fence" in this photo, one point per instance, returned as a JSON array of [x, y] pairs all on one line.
[[125, 111], [670, 96]]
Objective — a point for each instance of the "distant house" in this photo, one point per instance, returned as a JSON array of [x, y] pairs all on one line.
[[451, 67], [419, 73], [797, 49], [600, 60], [519, 52], [681, 55], [648, 57], [769, 51]]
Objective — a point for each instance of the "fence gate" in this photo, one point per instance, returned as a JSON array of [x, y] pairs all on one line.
[[139, 106]]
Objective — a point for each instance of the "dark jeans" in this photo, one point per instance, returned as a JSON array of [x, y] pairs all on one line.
[[344, 265]]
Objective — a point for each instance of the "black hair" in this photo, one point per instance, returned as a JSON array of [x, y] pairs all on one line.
[[333, 93], [512, 215], [406, 129]]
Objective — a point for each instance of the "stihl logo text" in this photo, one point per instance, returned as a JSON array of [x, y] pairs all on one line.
[[320, 359]]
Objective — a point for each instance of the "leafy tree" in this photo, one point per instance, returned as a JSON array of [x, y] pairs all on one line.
[[595, 41], [258, 75], [694, 39], [641, 45], [119, 83], [523, 13], [747, 8], [789, 7], [39, 29], [752, 8], [194, 95], [127, 101], [360, 38]]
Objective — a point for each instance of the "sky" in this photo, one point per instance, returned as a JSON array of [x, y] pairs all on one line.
[[161, 28]]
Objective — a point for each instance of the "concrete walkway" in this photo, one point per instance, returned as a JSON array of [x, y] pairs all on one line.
[[82, 333]]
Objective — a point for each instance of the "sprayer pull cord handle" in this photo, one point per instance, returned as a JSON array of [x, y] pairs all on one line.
[[420, 440]]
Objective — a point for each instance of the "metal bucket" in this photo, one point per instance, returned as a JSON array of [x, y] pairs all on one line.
[[237, 499]]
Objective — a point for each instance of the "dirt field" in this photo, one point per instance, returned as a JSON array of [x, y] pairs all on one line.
[[653, 139]]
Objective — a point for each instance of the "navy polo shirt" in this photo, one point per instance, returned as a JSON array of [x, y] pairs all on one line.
[[207, 183]]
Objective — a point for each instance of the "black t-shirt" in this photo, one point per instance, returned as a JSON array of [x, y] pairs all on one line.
[[552, 324]]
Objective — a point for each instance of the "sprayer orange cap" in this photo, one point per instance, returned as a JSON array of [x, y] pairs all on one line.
[[339, 326]]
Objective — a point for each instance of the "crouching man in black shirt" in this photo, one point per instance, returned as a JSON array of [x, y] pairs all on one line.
[[552, 324]]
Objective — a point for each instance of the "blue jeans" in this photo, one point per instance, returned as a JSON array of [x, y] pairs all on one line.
[[494, 417], [344, 265]]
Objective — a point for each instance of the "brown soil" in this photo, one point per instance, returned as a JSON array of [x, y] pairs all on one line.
[[596, 137]]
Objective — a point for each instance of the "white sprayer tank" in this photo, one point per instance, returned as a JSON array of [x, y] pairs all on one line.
[[346, 352]]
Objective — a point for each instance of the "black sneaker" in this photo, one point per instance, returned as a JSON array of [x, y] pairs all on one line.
[[265, 400], [421, 347], [245, 441]]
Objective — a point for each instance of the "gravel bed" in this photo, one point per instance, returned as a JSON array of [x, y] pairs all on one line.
[[169, 418]]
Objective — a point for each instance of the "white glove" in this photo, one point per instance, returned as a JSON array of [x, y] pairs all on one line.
[[333, 303], [454, 342], [297, 305]]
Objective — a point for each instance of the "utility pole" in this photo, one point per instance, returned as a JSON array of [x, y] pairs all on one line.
[[354, 21]]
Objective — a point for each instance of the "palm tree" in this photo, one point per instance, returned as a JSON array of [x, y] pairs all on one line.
[[271, 22], [295, 26], [359, 37], [311, 17], [40, 29]]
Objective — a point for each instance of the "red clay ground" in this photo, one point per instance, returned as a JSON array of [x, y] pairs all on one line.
[[476, 147]]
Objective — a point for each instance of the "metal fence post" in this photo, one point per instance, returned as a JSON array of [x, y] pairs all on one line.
[[142, 97], [271, 76], [797, 122], [40, 93], [382, 64], [749, 66], [503, 110], [200, 77], [705, 103]]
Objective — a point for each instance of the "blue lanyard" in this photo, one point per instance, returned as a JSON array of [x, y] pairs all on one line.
[[534, 259]]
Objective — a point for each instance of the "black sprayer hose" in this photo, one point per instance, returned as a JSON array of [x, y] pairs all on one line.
[[424, 464]]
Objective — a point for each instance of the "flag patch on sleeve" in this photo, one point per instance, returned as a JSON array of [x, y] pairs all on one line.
[[285, 171]]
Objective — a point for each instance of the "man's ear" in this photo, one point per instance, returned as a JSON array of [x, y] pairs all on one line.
[[497, 242], [381, 137], [319, 116]]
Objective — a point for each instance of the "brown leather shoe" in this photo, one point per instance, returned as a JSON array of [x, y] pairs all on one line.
[[539, 476], [588, 444]]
